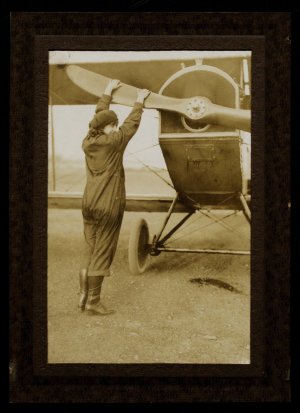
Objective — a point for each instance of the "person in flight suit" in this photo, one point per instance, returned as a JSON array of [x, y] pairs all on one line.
[[104, 196]]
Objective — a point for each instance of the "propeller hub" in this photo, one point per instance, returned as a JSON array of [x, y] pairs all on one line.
[[195, 108]]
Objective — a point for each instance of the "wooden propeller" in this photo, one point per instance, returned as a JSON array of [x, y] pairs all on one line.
[[194, 108]]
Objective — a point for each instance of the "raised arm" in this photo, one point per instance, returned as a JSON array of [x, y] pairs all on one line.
[[132, 122], [104, 101]]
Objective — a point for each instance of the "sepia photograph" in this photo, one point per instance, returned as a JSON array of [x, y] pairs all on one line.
[[149, 207]]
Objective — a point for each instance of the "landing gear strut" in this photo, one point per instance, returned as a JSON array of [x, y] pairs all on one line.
[[140, 248]]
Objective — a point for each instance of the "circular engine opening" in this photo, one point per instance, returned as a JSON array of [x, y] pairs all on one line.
[[194, 125]]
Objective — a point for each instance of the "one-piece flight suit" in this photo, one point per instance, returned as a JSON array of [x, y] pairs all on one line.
[[104, 196]]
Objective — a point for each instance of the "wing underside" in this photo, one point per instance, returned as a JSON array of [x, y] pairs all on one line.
[[144, 74]]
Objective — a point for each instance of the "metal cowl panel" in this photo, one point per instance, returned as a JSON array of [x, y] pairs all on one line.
[[203, 166]]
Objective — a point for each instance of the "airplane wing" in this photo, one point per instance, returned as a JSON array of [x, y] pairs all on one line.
[[150, 74], [134, 203]]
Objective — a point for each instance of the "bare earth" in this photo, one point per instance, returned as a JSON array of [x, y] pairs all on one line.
[[161, 317]]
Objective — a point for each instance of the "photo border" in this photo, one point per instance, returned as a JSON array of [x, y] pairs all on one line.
[[29, 245]]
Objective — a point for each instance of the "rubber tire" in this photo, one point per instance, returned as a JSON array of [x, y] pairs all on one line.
[[139, 238]]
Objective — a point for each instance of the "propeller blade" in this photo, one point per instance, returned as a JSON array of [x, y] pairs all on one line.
[[230, 117], [193, 108], [95, 84]]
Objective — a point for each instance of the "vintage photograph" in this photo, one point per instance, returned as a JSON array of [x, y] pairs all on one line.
[[149, 207]]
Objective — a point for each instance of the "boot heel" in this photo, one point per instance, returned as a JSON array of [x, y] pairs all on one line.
[[84, 288]]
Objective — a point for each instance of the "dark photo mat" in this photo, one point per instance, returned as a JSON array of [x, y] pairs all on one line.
[[267, 376]]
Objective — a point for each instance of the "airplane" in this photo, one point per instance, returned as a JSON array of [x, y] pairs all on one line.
[[203, 105]]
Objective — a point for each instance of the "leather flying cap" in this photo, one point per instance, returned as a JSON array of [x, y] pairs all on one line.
[[103, 118]]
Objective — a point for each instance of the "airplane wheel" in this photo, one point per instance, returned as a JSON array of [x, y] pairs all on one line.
[[138, 251]]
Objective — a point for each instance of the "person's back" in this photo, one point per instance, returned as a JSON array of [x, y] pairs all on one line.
[[104, 196]]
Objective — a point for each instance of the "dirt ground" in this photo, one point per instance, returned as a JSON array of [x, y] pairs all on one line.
[[161, 316]]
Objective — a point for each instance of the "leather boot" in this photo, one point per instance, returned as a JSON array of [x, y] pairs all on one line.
[[93, 305], [84, 287]]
